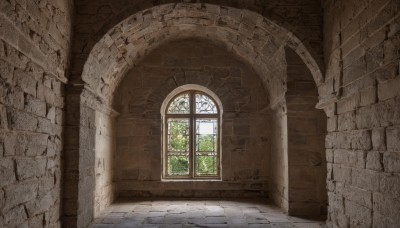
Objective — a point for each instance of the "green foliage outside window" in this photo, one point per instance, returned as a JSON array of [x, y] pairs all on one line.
[[179, 142]]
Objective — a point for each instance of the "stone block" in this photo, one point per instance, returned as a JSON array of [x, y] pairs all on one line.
[[7, 175], [368, 96], [393, 139], [357, 195], [28, 168], [10, 143], [15, 217], [331, 109], [348, 104], [36, 144], [386, 205], [361, 140], [380, 220], [332, 124], [51, 114], [347, 121], [329, 155], [378, 139], [42, 204], [390, 185], [25, 81], [20, 192], [350, 158], [389, 89], [35, 106], [374, 161], [359, 216], [6, 71], [342, 174], [45, 126], [18, 120], [391, 162], [365, 179], [3, 117], [379, 115], [36, 221], [354, 71]]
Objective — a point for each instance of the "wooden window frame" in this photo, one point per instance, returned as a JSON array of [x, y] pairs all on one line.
[[192, 116]]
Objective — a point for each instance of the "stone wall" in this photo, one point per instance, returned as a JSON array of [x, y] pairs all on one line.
[[104, 150], [34, 50], [245, 129], [88, 146], [361, 99], [279, 183], [306, 149]]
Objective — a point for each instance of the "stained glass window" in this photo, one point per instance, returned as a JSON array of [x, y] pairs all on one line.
[[192, 131]]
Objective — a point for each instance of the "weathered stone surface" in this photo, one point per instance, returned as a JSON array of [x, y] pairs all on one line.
[[41, 204], [29, 167], [374, 161], [34, 56], [15, 217], [391, 162], [378, 139], [21, 192], [359, 215], [389, 89], [347, 121], [350, 158], [18, 120], [3, 117], [359, 91], [386, 205], [35, 106], [7, 175], [389, 185], [392, 138], [365, 179]]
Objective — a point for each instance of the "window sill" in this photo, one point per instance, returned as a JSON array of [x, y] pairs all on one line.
[[191, 180]]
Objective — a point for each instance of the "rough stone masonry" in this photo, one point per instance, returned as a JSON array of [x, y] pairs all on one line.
[[311, 88]]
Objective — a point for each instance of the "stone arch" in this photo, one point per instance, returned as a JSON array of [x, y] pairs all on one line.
[[111, 12], [255, 39], [252, 37]]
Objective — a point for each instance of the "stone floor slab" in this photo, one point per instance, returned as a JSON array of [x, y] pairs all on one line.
[[199, 213]]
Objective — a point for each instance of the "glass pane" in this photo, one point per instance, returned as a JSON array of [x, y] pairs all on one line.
[[178, 165], [206, 135], [206, 165], [180, 105], [205, 105], [206, 147], [178, 135]]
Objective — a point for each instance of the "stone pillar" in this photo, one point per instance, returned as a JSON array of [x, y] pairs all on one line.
[[79, 163], [306, 133]]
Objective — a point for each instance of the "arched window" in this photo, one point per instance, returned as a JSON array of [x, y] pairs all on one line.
[[191, 136]]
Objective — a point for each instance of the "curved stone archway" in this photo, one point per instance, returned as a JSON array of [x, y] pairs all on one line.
[[301, 18], [256, 39]]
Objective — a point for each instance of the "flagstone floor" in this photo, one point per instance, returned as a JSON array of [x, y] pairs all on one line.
[[199, 213]]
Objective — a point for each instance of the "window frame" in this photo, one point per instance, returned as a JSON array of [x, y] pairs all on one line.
[[192, 116]]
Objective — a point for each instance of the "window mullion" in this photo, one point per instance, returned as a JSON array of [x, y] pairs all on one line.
[[191, 137]]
